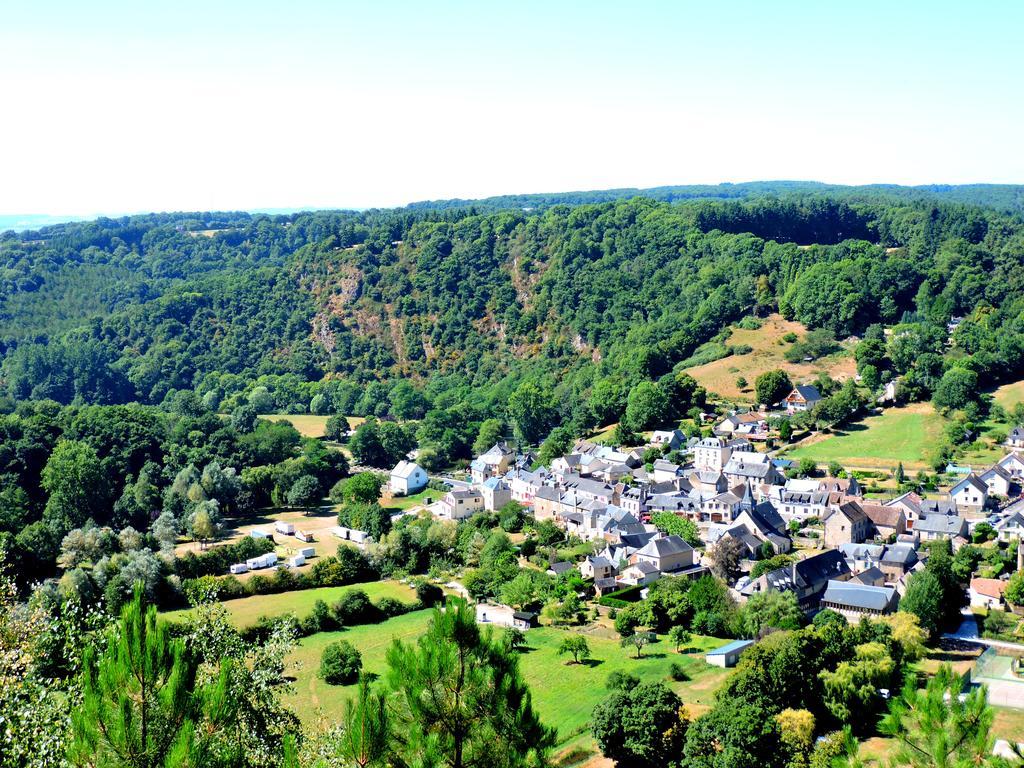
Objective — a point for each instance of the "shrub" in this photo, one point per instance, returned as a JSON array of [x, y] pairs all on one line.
[[428, 594], [389, 607], [319, 619], [340, 663], [677, 672], [354, 608]]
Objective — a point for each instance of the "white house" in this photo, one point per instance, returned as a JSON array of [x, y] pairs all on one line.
[[460, 503], [1011, 526], [668, 554], [711, 453], [970, 494], [407, 478], [997, 480], [673, 438], [987, 593], [496, 492], [495, 461], [1015, 439]]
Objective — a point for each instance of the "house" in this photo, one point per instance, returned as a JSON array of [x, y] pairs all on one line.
[[460, 503], [910, 503], [802, 398], [639, 573], [674, 439], [897, 561], [634, 500], [664, 470], [557, 569], [407, 478], [807, 578], [840, 487], [711, 453], [887, 521], [861, 557], [753, 424], [754, 469], [987, 593], [546, 502], [603, 587], [669, 554], [846, 524], [1014, 464], [597, 567], [1011, 526], [800, 505], [496, 492], [855, 601], [872, 577], [970, 494], [998, 481], [940, 527], [495, 461], [524, 619], [1015, 439], [524, 484], [764, 524], [728, 655]]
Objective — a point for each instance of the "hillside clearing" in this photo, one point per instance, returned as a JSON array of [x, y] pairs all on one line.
[[246, 611], [719, 377], [1010, 395], [564, 694], [897, 435], [309, 425]]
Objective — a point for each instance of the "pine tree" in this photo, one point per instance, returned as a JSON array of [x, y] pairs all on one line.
[[138, 706], [462, 699], [901, 476]]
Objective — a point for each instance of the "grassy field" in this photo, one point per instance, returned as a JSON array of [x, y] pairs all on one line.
[[248, 610], [309, 425], [897, 435], [564, 694], [402, 503], [720, 376], [1009, 395]]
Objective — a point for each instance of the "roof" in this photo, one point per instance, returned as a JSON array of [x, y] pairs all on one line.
[[524, 615], [995, 469], [405, 469], [733, 647], [881, 515], [858, 596], [972, 480], [806, 391], [665, 547], [600, 561], [560, 567], [901, 554], [870, 576], [989, 587], [644, 567], [948, 524], [494, 483], [850, 510]]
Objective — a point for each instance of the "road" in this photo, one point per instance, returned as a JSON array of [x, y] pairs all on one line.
[[967, 632]]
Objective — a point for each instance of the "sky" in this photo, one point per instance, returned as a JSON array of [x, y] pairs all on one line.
[[117, 107]]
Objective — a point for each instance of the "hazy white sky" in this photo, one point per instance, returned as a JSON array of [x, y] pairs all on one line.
[[113, 107]]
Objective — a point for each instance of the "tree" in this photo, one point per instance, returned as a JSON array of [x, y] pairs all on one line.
[[785, 430], [202, 527], [796, 732], [940, 726], [640, 726], [771, 610], [520, 591], [575, 646], [735, 733], [924, 598], [531, 411], [741, 383], [647, 406], [305, 492], [771, 386], [491, 432], [74, 479], [244, 418], [1015, 589], [366, 737], [853, 686], [340, 663], [638, 640], [908, 633], [139, 708], [336, 428], [460, 699], [901, 475], [726, 556], [514, 638], [361, 488], [956, 388], [165, 531], [558, 443], [682, 527], [679, 636]]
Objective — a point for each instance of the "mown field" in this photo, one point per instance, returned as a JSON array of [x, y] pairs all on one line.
[[307, 424], [246, 611], [564, 694], [719, 377], [1010, 395], [897, 435]]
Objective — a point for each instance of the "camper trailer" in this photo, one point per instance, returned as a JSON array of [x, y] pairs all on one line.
[[296, 561], [239, 568], [305, 536], [259, 535], [307, 552], [284, 528], [254, 563]]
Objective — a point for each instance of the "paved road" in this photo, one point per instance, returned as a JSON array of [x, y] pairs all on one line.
[[967, 632]]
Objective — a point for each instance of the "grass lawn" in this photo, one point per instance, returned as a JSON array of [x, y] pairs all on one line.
[[401, 503], [309, 425], [1009, 395], [564, 694], [246, 611], [719, 376], [897, 435]]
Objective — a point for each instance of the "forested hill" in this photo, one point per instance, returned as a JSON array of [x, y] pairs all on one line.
[[1008, 198], [394, 312]]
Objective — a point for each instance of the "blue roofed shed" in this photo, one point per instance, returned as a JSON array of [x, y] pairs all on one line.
[[728, 655]]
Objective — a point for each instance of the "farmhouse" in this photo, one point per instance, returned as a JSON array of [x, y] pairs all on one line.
[[674, 438], [940, 527], [802, 398], [1012, 525], [846, 524], [998, 481], [407, 478], [887, 521], [669, 554]]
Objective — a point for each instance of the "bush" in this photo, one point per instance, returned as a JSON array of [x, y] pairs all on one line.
[[354, 608], [677, 672], [389, 607], [340, 664], [428, 594], [319, 619]]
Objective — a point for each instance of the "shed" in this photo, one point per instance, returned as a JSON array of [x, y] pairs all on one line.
[[728, 655], [306, 536], [524, 619]]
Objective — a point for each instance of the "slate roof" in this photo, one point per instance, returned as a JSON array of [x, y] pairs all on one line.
[[404, 469], [665, 547], [870, 576], [881, 515], [560, 567], [972, 480], [899, 554], [808, 392], [949, 525], [858, 596]]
